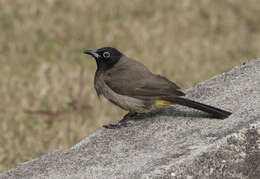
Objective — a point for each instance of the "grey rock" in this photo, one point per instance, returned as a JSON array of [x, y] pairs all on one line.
[[173, 142]]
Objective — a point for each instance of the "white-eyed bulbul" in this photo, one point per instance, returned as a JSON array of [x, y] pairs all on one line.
[[132, 86]]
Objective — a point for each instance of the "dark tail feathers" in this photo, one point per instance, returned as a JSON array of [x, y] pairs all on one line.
[[216, 112]]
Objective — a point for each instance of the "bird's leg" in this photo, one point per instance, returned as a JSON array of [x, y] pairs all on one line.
[[122, 122], [140, 116], [128, 116]]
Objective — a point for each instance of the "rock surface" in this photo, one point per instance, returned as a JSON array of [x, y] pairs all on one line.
[[174, 142]]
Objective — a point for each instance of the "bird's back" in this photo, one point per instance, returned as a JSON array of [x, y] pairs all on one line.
[[132, 78]]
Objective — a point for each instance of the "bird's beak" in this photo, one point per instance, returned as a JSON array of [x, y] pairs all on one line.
[[93, 53]]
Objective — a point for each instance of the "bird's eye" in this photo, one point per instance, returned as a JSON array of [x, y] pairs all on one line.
[[106, 54]]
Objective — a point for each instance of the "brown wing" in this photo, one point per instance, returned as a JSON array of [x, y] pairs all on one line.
[[132, 78]]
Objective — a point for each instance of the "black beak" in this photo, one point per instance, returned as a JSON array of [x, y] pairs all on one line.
[[93, 53]]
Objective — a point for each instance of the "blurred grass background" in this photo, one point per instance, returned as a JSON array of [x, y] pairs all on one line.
[[42, 66]]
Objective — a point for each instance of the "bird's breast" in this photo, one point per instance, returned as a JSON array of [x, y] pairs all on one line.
[[125, 102]]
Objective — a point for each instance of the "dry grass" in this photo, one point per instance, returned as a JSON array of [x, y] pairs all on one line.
[[41, 59]]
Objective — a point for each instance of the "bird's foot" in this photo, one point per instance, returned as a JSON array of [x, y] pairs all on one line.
[[115, 125], [123, 121]]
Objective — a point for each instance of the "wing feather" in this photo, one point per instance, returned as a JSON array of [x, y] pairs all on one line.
[[135, 80]]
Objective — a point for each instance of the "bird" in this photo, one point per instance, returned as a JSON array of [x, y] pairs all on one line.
[[130, 85]]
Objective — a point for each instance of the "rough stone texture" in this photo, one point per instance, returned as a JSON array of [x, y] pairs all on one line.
[[174, 142]]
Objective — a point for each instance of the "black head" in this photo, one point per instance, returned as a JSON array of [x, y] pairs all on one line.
[[105, 57]]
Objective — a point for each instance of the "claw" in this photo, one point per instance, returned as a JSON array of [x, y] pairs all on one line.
[[115, 126], [123, 122]]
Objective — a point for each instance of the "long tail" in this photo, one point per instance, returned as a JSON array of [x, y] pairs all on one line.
[[216, 112]]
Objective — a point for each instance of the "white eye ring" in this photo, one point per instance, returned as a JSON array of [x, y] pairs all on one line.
[[106, 54]]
